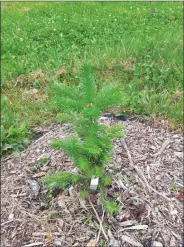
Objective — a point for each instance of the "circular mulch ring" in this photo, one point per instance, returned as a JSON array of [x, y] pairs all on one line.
[[147, 170]]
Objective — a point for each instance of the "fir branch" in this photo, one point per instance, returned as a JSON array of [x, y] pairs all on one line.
[[66, 98], [63, 91], [71, 145], [66, 104], [87, 84], [109, 96], [61, 180]]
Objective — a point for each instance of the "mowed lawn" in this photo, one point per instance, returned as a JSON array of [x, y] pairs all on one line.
[[137, 44]]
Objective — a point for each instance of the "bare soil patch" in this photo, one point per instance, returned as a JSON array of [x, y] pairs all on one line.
[[147, 169]]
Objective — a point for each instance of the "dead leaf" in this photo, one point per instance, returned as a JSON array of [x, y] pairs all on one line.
[[49, 237], [61, 203], [61, 223], [128, 64], [181, 195], [92, 243], [177, 94], [89, 105], [61, 71], [93, 198], [110, 192], [129, 240], [125, 216], [108, 72], [39, 175], [82, 204]]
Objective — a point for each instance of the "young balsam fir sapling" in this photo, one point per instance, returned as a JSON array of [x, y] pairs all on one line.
[[90, 147]]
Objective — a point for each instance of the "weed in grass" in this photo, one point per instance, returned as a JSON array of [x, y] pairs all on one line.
[[14, 136], [36, 84], [42, 161], [174, 186], [52, 215]]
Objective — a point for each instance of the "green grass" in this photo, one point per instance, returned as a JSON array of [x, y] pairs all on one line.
[[136, 44]]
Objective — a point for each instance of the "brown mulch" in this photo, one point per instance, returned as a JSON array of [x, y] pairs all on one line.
[[147, 171]]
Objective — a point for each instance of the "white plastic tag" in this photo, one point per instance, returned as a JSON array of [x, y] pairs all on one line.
[[94, 183]]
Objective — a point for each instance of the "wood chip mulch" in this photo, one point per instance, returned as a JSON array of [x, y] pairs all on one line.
[[147, 171]]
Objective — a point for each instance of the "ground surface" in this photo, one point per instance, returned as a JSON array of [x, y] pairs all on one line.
[[145, 218]]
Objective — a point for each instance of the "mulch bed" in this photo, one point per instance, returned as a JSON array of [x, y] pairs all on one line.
[[147, 170]]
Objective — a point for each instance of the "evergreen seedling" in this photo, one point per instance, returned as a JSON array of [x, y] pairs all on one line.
[[90, 147]]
